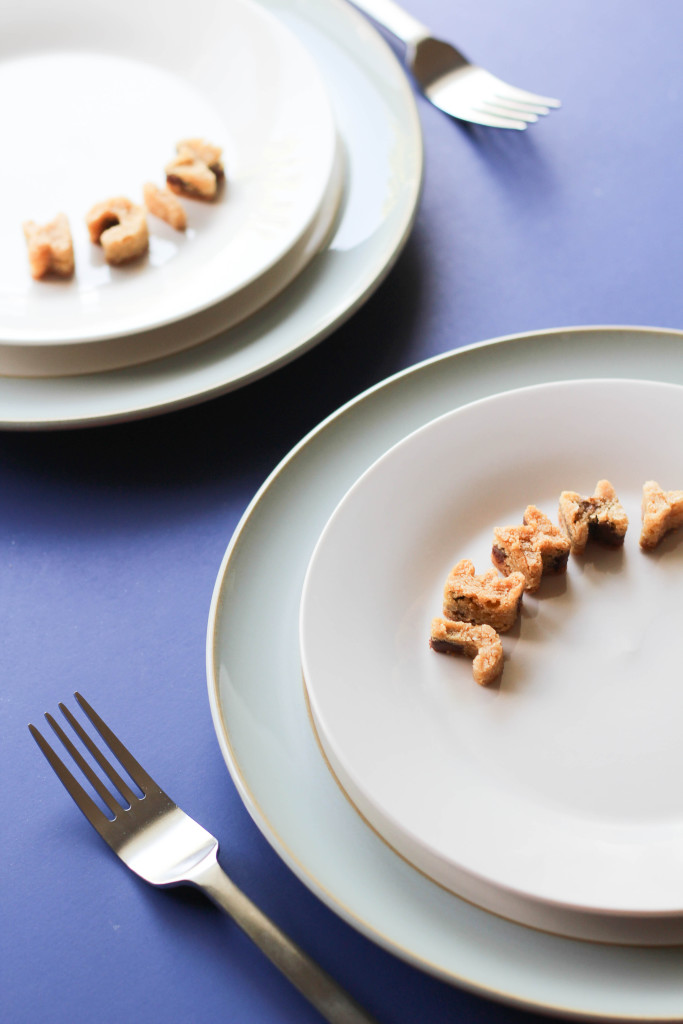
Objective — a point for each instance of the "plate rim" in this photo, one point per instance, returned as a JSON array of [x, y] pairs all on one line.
[[280, 845]]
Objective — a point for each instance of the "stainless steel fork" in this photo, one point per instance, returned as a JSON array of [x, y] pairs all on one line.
[[166, 847], [449, 80]]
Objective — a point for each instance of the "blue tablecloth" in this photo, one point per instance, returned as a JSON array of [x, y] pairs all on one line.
[[111, 538]]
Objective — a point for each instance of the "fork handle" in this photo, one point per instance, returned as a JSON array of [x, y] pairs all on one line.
[[393, 18], [328, 997]]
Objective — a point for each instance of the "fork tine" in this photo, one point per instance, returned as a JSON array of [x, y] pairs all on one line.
[[90, 775], [114, 777], [492, 106], [512, 92], [134, 769], [518, 106], [97, 819], [489, 119]]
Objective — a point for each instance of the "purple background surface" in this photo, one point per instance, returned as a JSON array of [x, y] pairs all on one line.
[[111, 538]]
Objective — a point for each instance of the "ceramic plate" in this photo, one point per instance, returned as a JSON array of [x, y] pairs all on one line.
[[379, 129], [553, 797], [100, 102], [264, 731]]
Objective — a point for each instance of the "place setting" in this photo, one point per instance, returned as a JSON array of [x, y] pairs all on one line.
[[532, 825], [434, 647], [316, 200]]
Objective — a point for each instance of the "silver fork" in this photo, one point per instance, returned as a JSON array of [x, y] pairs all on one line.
[[166, 847], [450, 81]]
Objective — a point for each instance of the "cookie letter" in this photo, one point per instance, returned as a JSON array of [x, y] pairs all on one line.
[[50, 249], [534, 548], [479, 642], [120, 227], [482, 600], [196, 170], [662, 511], [163, 204], [599, 517]]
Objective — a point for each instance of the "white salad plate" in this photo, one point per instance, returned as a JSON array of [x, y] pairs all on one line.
[[379, 132], [100, 102], [264, 731], [553, 797]]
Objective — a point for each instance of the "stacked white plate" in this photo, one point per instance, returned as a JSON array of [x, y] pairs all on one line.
[[580, 740], [99, 106], [309, 133], [554, 797]]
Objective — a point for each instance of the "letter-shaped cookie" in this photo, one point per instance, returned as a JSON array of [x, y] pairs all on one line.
[[50, 249], [662, 511], [163, 204], [479, 642], [205, 151], [120, 227], [196, 170], [599, 517], [488, 599], [534, 548]]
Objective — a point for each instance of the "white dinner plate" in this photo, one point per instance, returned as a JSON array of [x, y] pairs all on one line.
[[379, 130], [100, 102], [263, 728], [553, 798]]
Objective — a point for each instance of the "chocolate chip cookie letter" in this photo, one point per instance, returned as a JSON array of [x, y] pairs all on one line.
[[489, 599], [120, 227], [197, 169], [479, 642], [599, 517], [662, 511], [534, 548], [50, 249]]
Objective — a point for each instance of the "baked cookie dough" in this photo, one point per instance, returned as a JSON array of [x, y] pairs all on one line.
[[479, 642], [205, 151], [599, 517], [534, 548], [163, 204], [662, 511], [196, 170], [488, 599], [50, 248], [120, 227]]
